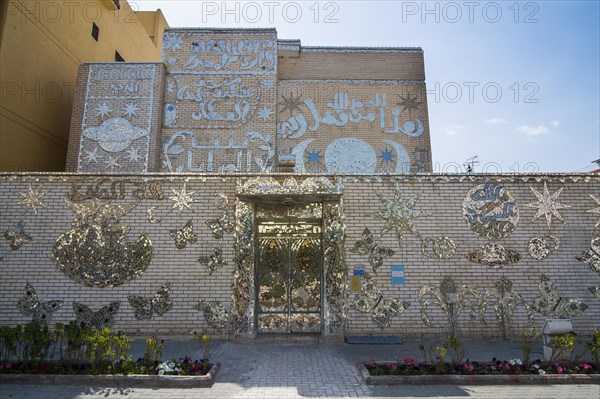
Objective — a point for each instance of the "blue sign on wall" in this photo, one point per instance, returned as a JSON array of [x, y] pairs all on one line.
[[398, 277], [359, 270]]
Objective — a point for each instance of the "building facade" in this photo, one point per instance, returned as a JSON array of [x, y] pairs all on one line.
[[42, 44], [249, 185]]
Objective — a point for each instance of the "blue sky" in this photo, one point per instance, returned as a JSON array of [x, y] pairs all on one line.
[[515, 83]]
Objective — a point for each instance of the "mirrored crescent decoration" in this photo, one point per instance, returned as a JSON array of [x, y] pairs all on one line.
[[30, 305], [17, 235], [215, 314], [399, 214], [504, 301], [439, 247], [591, 257], [595, 210], [540, 247], [451, 299], [549, 302], [493, 256], [595, 291], [220, 226], [370, 300], [491, 211], [103, 318], [377, 253], [145, 308], [214, 260], [150, 215], [222, 200], [184, 235], [96, 251]]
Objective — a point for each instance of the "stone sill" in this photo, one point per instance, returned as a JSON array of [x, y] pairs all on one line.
[[493, 379], [135, 380]]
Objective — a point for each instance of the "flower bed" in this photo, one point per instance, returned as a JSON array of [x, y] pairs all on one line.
[[408, 371]]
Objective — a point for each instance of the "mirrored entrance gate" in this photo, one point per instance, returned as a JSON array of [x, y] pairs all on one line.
[[289, 269]]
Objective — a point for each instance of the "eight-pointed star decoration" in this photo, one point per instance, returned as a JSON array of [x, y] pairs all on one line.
[[313, 156], [133, 154], [290, 103], [103, 110], [265, 113], [547, 205], [32, 198], [408, 103], [183, 199], [595, 210], [386, 156], [130, 109], [112, 163], [399, 214], [91, 156]]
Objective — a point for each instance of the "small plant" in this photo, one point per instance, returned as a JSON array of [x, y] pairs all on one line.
[[107, 351], [594, 347], [153, 351], [530, 335], [205, 347], [75, 337], [441, 352], [9, 338], [36, 341], [456, 349], [562, 346]]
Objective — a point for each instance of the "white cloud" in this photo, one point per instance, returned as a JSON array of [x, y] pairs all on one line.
[[533, 130], [452, 130], [495, 121], [555, 123]]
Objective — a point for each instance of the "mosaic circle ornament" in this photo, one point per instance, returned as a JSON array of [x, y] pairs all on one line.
[[541, 247], [491, 211]]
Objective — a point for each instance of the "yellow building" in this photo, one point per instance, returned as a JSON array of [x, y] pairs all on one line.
[[42, 45]]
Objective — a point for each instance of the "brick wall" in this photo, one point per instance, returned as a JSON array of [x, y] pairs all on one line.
[[440, 196]]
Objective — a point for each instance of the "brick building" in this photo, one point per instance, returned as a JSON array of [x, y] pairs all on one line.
[[281, 189]]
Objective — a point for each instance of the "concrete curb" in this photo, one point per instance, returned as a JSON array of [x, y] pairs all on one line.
[[451, 379], [155, 381]]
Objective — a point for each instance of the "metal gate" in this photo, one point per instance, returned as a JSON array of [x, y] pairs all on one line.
[[289, 275]]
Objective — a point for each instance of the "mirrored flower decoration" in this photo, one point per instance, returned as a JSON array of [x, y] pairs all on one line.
[[493, 256], [215, 314], [146, 307], [491, 211], [17, 236], [595, 291], [399, 214], [377, 253], [550, 303], [591, 257], [540, 247], [452, 300], [220, 226], [439, 247], [103, 318], [504, 301], [184, 235], [547, 205], [96, 251], [335, 274], [214, 260], [32, 198], [30, 305], [370, 300]]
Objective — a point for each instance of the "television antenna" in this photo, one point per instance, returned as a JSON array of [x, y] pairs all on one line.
[[470, 164]]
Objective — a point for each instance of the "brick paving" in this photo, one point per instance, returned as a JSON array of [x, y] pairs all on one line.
[[274, 371]]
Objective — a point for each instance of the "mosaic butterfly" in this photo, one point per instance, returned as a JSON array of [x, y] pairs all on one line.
[[220, 226], [213, 260], [105, 317], [377, 253], [17, 236], [371, 300], [30, 305], [592, 255], [184, 235], [549, 301], [145, 308]]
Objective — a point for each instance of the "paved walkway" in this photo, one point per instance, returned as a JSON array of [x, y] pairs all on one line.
[[268, 370]]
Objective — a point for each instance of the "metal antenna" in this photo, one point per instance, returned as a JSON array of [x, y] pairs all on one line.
[[470, 164]]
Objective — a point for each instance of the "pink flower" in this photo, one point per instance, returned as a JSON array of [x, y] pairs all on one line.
[[394, 366], [586, 366], [408, 360], [8, 365], [507, 366], [372, 362], [560, 370]]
